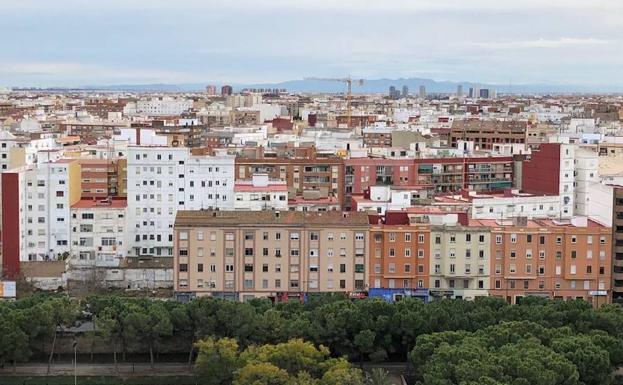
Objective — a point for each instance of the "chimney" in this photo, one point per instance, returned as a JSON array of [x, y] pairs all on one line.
[[138, 136]]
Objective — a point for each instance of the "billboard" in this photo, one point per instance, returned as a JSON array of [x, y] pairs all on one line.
[[8, 289]]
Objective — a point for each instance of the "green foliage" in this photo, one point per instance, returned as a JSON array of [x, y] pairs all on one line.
[[217, 360], [446, 342], [290, 363]]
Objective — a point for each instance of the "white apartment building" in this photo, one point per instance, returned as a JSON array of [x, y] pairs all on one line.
[[163, 106], [46, 193], [260, 193], [586, 174], [510, 204], [162, 180], [98, 233]]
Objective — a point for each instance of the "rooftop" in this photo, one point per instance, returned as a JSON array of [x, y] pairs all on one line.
[[210, 218], [116, 203]]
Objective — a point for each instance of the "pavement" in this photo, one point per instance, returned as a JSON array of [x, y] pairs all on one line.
[[137, 369], [122, 369]]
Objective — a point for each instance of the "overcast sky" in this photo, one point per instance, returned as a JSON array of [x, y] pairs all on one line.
[[80, 42]]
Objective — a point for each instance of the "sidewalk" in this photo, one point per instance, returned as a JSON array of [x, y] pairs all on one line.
[[125, 369]]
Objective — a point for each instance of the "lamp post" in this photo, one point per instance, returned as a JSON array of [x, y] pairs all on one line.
[[75, 361]]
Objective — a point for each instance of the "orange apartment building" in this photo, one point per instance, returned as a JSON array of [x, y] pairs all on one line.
[[399, 256], [550, 259], [102, 178]]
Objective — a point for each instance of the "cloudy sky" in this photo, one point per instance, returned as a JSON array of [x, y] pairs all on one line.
[[80, 42]]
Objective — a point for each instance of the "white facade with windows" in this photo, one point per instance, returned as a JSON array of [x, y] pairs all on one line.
[[46, 196], [162, 180], [98, 232]]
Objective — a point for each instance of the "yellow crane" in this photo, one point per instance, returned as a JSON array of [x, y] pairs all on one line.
[[349, 95]]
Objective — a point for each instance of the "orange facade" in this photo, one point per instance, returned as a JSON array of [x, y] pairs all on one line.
[[551, 260], [399, 256]]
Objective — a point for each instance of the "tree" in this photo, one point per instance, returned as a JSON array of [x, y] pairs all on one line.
[[262, 373], [217, 360], [364, 341], [341, 373], [378, 376], [60, 313], [293, 356], [14, 346], [148, 324], [592, 362]]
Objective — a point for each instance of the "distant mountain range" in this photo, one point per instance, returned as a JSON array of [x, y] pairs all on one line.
[[371, 86]]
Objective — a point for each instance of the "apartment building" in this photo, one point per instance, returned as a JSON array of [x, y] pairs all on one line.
[[553, 259], [324, 175], [260, 193], [399, 257], [617, 245], [275, 254], [460, 259], [551, 170], [98, 230], [487, 133], [163, 180], [100, 178], [433, 175], [36, 203]]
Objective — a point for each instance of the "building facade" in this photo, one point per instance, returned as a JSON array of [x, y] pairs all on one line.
[[276, 254]]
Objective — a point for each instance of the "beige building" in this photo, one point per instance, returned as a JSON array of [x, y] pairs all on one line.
[[278, 254], [460, 258]]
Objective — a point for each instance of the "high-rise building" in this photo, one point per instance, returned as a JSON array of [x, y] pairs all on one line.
[[422, 92], [394, 93], [459, 91], [211, 89], [227, 90], [405, 91]]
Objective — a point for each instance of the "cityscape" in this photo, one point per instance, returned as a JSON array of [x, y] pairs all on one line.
[[333, 224]]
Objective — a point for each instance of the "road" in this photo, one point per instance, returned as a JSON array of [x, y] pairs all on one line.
[[124, 369], [138, 369]]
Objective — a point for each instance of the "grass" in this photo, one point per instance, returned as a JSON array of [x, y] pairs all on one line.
[[97, 380]]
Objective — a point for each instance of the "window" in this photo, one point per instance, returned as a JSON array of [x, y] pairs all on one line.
[[498, 239], [452, 268], [183, 267], [294, 236], [392, 237], [407, 237], [200, 267], [229, 268], [359, 237], [420, 238], [314, 236], [512, 268], [468, 237]]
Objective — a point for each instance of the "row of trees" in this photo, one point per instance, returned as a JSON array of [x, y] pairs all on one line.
[[360, 330], [517, 352]]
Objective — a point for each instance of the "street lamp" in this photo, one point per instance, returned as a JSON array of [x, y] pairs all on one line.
[[75, 361]]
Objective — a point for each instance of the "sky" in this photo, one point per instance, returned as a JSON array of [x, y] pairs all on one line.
[[84, 42]]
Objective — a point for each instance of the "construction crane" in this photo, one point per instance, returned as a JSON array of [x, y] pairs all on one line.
[[349, 95]]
